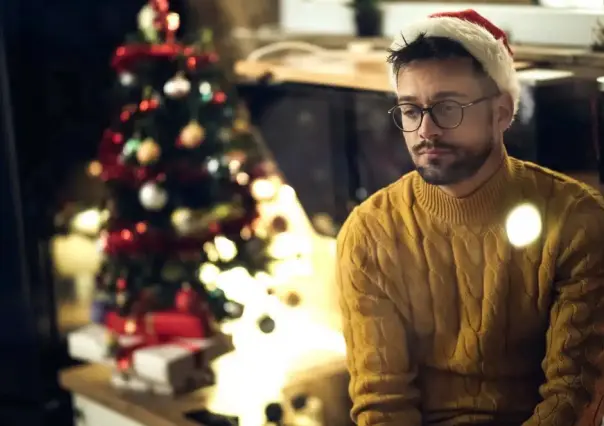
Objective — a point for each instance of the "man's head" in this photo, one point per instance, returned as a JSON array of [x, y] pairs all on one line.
[[457, 92]]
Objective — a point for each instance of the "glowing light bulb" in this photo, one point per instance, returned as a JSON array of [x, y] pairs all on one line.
[[208, 273], [227, 250], [87, 222], [173, 21], [523, 225], [263, 189]]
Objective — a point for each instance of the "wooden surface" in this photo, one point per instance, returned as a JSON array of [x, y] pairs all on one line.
[[299, 354], [545, 55], [92, 381], [360, 72]]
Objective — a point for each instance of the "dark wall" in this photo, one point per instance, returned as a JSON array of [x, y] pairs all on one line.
[[55, 105]]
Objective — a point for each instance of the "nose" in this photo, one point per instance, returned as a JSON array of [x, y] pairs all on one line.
[[428, 130]]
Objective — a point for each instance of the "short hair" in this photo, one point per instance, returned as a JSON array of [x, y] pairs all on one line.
[[425, 48]]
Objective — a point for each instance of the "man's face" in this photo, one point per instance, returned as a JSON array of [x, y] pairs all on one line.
[[447, 156]]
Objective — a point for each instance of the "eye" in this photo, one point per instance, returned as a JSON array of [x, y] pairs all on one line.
[[447, 107], [410, 111]]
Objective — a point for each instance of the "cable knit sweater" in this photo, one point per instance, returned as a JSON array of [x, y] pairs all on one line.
[[448, 324]]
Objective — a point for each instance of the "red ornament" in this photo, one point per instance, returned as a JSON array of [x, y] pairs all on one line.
[[214, 228], [117, 138], [127, 56], [220, 97], [121, 284], [187, 300], [192, 63]]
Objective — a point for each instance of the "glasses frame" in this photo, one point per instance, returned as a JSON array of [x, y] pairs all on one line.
[[428, 110]]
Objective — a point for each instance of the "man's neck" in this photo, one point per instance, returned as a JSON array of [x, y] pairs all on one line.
[[469, 186]]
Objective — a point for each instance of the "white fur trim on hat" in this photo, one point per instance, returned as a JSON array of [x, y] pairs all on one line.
[[480, 43]]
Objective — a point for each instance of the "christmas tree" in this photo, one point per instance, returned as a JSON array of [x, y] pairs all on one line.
[[184, 175]]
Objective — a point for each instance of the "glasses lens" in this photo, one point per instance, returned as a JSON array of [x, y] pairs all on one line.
[[447, 114], [407, 117]]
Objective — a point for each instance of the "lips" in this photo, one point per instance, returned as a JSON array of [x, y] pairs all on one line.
[[434, 151]]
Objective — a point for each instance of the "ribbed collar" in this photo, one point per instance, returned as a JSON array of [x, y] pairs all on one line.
[[482, 206]]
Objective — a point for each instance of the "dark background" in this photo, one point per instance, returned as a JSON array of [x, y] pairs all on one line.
[[55, 93]]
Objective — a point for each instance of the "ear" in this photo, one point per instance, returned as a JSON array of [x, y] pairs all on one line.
[[504, 111]]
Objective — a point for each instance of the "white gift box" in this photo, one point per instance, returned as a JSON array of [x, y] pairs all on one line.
[[90, 343], [179, 365], [165, 369]]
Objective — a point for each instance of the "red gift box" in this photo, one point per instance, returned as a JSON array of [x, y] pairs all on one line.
[[157, 328], [163, 325]]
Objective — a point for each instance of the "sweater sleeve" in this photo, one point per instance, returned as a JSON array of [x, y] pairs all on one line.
[[575, 338], [382, 373]]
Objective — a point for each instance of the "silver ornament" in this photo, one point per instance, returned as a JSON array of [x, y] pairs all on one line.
[[177, 87], [153, 197]]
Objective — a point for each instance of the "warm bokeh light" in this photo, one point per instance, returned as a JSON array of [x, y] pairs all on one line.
[[87, 222], [523, 225], [173, 21]]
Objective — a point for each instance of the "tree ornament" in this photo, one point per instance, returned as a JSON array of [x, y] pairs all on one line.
[[279, 224], [225, 135], [192, 135], [177, 87], [153, 197], [181, 220], [266, 324], [205, 90], [263, 190], [292, 299], [240, 125], [130, 147], [220, 97], [127, 78], [146, 23], [148, 152], [187, 299]]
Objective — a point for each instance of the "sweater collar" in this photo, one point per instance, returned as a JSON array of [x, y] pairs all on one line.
[[482, 206]]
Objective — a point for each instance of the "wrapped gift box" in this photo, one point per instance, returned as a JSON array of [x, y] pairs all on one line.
[[90, 343], [175, 364]]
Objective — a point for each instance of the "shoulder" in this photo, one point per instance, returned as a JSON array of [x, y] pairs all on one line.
[[371, 225], [562, 192], [575, 208], [374, 217]]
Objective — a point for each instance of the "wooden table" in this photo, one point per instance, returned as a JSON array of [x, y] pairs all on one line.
[[338, 68], [299, 356], [555, 56]]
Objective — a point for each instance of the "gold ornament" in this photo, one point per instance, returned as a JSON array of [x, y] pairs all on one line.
[[148, 152], [120, 299], [241, 125], [192, 135], [181, 220]]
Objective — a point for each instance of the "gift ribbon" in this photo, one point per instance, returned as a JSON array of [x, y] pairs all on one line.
[[157, 328]]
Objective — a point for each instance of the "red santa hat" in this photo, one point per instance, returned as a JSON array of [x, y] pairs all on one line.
[[480, 37]]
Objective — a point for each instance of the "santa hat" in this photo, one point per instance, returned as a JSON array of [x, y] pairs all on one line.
[[480, 37]]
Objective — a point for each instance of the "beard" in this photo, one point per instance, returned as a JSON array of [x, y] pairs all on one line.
[[456, 166]]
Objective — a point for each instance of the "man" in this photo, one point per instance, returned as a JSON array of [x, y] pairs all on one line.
[[446, 321]]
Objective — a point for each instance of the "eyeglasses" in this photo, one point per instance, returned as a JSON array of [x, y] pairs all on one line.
[[446, 114]]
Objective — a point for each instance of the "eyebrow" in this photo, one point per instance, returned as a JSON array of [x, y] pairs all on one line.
[[436, 97]]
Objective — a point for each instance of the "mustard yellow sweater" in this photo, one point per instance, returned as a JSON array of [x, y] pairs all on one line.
[[446, 323]]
